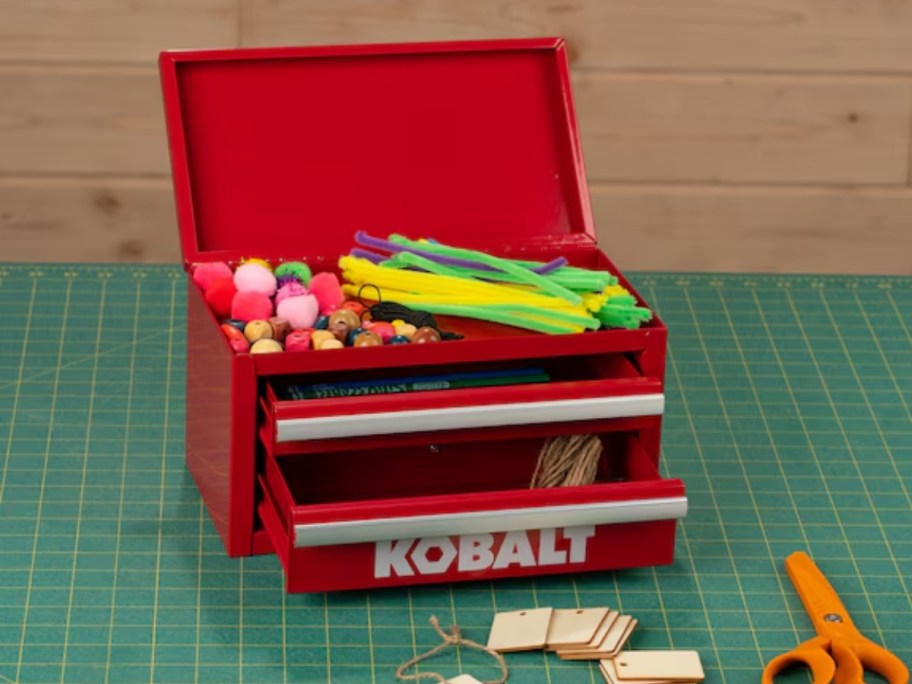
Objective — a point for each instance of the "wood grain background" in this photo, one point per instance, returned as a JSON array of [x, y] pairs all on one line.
[[744, 135]]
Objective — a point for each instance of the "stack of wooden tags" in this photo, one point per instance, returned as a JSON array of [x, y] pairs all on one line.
[[592, 634]]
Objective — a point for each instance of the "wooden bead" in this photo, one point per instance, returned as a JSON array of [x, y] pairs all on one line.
[[368, 339], [331, 344], [383, 329], [318, 337], [425, 334], [406, 330], [357, 307], [266, 345], [236, 338], [258, 330], [341, 321], [298, 340], [280, 328]]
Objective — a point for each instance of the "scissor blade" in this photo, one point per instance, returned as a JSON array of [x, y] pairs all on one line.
[[820, 600]]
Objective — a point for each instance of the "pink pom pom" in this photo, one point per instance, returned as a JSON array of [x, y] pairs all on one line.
[[291, 289], [205, 274], [301, 311], [255, 278], [326, 288], [251, 306]]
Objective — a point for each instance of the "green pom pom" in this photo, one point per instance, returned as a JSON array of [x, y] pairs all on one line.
[[298, 269]]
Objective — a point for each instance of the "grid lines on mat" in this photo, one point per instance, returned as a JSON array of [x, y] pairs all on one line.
[[788, 419]]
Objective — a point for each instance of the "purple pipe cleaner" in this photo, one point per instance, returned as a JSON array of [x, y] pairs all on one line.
[[363, 238]]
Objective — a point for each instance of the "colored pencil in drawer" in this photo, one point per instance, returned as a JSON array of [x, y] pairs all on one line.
[[413, 383]]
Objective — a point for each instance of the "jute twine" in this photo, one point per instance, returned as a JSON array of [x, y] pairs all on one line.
[[451, 638], [567, 460]]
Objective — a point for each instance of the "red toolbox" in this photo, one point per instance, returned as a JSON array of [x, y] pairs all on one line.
[[284, 154]]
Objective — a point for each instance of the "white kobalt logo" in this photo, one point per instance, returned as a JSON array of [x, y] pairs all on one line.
[[473, 552]]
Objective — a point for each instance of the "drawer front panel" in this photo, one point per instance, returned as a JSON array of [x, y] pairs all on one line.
[[488, 521], [441, 558], [468, 417], [460, 409]]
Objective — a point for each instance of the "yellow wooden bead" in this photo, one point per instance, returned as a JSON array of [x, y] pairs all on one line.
[[406, 330], [265, 346], [257, 330], [331, 344], [319, 337]]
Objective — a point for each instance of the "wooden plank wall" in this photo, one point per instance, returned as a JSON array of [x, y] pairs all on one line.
[[758, 135]]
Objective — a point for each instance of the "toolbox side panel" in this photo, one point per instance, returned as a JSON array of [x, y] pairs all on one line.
[[217, 453]]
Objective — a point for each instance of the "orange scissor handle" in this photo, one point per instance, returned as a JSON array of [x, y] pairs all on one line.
[[855, 656], [839, 653], [813, 653]]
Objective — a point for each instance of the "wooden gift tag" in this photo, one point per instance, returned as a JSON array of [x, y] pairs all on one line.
[[574, 627], [520, 630], [612, 642], [596, 640], [606, 667], [463, 679], [679, 666]]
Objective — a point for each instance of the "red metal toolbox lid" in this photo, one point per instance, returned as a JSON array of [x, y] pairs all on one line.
[[287, 152]]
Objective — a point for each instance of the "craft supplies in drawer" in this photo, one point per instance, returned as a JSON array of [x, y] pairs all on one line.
[[397, 401], [466, 510]]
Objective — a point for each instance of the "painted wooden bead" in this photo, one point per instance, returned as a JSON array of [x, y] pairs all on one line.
[[318, 337], [352, 305], [352, 334], [331, 344], [384, 330], [368, 339], [266, 345], [258, 330], [280, 328], [341, 321], [406, 330], [398, 339], [298, 340], [240, 345], [322, 323], [236, 338], [425, 334]]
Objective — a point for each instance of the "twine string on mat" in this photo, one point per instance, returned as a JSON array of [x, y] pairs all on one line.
[[453, 637], [567, 461]]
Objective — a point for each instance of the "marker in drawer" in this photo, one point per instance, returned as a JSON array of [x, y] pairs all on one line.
[[293, 391]]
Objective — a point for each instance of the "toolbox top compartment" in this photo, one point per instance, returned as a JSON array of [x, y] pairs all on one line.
[[285, 153]]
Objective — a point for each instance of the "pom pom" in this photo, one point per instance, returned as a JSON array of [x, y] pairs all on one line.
[[300, 312], [255, 278], [260, 262], [205, 274], [251, 306], [325, 287], [298, 269], [292, 289], [284, 280], [219, 295]]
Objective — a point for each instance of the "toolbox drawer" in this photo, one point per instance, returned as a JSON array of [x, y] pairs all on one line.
[[581, 388], [462, 511]]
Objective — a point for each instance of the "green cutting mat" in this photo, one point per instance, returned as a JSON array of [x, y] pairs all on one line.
[[788, 418]]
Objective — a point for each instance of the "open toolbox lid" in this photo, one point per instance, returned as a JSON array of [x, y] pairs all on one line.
[[287, 152]]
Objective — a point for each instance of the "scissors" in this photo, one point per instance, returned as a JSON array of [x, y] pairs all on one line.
[[839, 653]]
